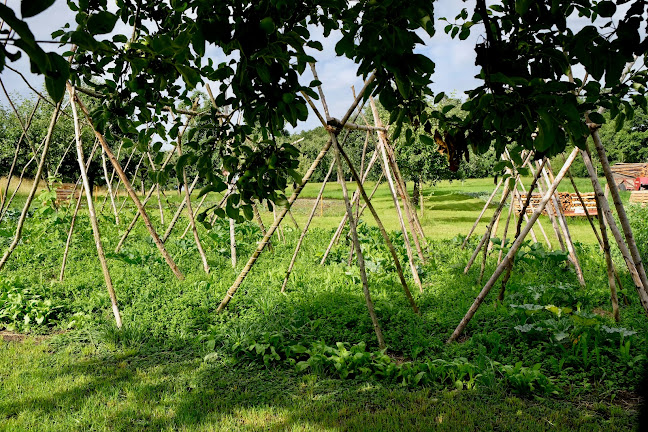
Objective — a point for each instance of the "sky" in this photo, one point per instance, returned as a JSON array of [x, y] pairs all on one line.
[[455, 60]]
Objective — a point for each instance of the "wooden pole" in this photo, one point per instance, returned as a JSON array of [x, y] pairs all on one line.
[[190, 213], [392, 189], [488, 201], [614, 299], [398, 186], [489, 228], [34, 188], [92, 214], [133, 195], [618, 205], [74, 215], [616, 233], [356, 242], [565, 229], [148, 196], [110, 189], [514, 248]]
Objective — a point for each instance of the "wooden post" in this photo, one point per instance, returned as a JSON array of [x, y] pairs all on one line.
[[514, 248], [356, 242], [178, 212]]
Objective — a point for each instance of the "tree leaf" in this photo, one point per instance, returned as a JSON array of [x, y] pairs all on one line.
[[30, 8], [101, 23]]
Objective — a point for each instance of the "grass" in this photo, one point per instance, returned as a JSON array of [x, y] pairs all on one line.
[[176, 365], [79, 387]]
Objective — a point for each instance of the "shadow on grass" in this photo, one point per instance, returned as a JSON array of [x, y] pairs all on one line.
[[179, 392]]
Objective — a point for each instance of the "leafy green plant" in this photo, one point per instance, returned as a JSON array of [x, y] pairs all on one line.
[[22, 309]]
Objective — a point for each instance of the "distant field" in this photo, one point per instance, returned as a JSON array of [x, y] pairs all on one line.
[[451, 207]]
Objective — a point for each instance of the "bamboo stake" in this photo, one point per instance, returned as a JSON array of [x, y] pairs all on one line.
[[303, 234], [34, 188], [390, 165], [542, 230], [91, 211], [232, 242], [625, 252], [110, 190], [280, 233], [381, 227], [506, 226], [514, 248], [488, 201], [618, 204], [133, 195], [292, 217]]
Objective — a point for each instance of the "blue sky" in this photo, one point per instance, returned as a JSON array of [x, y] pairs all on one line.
[[455, 68]]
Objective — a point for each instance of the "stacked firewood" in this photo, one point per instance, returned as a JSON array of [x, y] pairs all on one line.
[[626, 173]]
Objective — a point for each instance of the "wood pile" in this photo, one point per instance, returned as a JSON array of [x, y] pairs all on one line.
[[625, 173], [569, 203], [640, 197], [64, 192]]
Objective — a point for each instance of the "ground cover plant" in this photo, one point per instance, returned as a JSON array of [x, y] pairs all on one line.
[[546, 350]]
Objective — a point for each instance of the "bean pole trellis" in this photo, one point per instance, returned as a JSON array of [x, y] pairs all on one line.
[[525, 108]]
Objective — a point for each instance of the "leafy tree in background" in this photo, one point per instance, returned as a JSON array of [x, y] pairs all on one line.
[[526, 53]]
